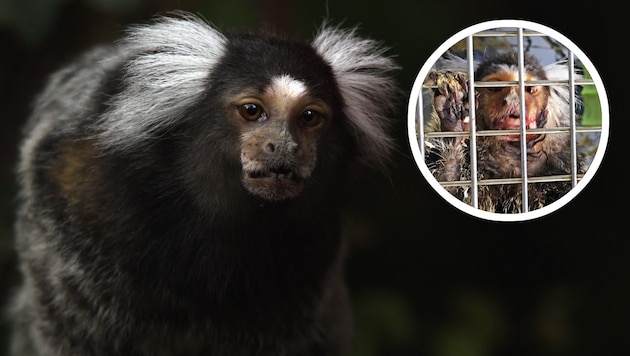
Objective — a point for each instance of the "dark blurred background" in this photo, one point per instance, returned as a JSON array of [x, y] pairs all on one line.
[[426, 279]]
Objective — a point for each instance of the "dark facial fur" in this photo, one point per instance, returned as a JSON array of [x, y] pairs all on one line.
[[179, 193], [499, 109], [282, 114]]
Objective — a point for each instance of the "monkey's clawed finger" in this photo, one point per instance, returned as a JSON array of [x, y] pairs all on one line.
[[450, 99]]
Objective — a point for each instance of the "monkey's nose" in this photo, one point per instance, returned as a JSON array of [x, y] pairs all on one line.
[[280, 147], [511, 99]]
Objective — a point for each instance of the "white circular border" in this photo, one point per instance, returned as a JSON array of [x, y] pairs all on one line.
[[413, 106]]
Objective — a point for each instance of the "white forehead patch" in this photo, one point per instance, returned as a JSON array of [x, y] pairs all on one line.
[[286, 87], [506, 69]]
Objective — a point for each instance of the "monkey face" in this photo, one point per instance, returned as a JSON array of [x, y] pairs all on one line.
[[499, 107], [279, 129]]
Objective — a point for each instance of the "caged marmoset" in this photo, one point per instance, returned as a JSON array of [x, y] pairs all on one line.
[[180, 192], [498, 108]]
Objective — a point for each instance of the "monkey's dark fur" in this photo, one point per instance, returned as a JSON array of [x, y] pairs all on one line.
[[180, 193], [498, 108]]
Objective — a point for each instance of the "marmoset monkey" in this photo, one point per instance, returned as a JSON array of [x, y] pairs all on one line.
[[498, 108], [180, 191]]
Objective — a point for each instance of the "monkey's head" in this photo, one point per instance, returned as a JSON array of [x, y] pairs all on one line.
[[253, 112], [283, 110], [499, 107]]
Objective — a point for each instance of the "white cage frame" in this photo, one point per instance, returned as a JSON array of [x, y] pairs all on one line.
[[521, 29]]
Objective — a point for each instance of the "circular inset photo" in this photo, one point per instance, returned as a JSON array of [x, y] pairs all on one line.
[[508, 120]]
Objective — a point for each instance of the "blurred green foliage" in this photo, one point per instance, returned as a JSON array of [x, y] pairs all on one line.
[[592, 110]]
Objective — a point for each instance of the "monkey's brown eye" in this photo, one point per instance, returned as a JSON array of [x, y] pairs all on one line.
[[311, 118], [494, 89], [531, 89], [251, 112]]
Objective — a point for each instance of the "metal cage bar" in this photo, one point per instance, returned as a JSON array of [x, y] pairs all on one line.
[[572, 125], [523, 128], [420, 123], [473, 122]]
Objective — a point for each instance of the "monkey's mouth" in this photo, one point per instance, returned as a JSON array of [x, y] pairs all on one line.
[[274, 173], [512, 121], [275, 184]]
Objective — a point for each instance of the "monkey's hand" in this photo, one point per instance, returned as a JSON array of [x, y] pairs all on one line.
[[450, 100], [450, 103]]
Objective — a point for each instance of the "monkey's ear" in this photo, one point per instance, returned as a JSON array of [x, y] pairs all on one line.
[[166, 65], [364, 75]]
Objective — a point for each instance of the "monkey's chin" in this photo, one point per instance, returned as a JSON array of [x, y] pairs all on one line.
[[274, 185]]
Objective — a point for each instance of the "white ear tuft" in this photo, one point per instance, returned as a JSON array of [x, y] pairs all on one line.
[[169, 63], [559, 104], [364, 76]]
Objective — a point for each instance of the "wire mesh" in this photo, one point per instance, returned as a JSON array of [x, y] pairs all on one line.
[[519, 39]]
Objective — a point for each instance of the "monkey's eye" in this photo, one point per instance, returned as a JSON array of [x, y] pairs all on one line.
[[531, 89], [311, 118], [494, 89], [251, 112]]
